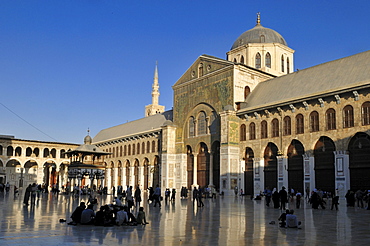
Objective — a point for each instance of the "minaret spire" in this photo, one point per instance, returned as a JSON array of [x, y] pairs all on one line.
[[154, 108]]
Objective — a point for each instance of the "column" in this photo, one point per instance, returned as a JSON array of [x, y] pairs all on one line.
[[195, 173], [211, 170]]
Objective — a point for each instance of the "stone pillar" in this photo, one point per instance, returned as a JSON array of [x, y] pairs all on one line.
[[108, 178], [309, 172], [282, 172], [342, 175], [211, 170], [195, 171], [259, 178]]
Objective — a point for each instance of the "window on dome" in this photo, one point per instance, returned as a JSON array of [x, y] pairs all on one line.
[[268, 60], [282, 64], [242, 60], [262, 38], [287, 65], [258, 60]]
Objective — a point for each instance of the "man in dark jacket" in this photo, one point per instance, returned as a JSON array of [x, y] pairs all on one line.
[[283, 198]]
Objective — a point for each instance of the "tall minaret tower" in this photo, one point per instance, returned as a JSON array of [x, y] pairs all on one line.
[[154, 108]]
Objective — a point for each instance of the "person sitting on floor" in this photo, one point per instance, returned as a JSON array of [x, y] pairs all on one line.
[[291, 220], [282, 218], [121, 216], [76, 215], [88, 215], [141, 220]]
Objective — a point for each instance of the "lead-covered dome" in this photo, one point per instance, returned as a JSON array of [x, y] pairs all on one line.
[[259, 34]]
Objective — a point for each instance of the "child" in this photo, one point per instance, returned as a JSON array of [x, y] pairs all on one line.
[[141, 217]]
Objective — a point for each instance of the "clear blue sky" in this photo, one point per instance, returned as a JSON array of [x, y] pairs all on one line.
[[66, 66]]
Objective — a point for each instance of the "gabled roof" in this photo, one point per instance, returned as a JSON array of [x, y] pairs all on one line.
[[337, 75], [218, 63], [134, 127]]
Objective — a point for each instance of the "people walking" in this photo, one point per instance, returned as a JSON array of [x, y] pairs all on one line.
[[157, 196], [283, 198], [137, 196], [200, 202], [195, 196]]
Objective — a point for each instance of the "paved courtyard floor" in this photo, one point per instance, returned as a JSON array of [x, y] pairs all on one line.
[[225, 220]]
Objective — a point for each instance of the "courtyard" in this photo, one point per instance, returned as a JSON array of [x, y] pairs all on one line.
[[226, 220]]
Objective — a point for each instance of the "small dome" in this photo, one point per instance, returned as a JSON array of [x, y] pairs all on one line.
[[88, 140], [259, 34]]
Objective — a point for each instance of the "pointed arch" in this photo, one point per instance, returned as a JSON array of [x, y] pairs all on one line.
[[324, 164]]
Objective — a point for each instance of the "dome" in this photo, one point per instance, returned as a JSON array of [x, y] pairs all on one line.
[[88, 140], [259, 34]]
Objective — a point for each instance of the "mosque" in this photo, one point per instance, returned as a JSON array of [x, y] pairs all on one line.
[[249, 121]]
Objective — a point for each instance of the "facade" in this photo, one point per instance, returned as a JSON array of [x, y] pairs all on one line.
[[252, 122], [23, 162]]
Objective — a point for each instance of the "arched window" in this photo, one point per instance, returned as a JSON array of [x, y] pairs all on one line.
[[62, 153], [258, 60], [148, 147], [275, 128], [262, 38], [330, 119], [348, 119], [365, 113], [268, 60], [125, 150], [18, 151], [9, 151], [53, 153], [153, 147], [46, 152], [129, 149], [264, 129], [235, 60], [133, 149], [287, 126], [120, 151], [243, 133], [314, 121], [242, 60], [202, 124], [191, 127], [299, 123], [247, 90], [143, 148], [200, 70], [28, 151], [138, 149], [287, 65], [282, 64], [252, 131]]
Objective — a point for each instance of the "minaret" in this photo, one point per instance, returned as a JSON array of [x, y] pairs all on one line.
[[154, 108]]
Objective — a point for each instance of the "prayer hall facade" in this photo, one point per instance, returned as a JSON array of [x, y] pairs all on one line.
[[250, 122]]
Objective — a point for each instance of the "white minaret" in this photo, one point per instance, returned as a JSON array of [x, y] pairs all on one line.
[[154, 108]]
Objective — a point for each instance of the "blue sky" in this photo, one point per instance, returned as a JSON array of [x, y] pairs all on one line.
[[66, 66]]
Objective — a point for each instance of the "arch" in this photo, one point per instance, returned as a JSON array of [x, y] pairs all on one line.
[[36, 151], [287, 126], [365, 113], [46, 153], [200, 70], [243, 133], [359, 165], [9, 151], [324, 164], [242, 59], [62, 153], [275, 128], [148, 147], [252, 131], [268, 60], [235, 60], [201, 123], [120, 151], [270, 167], [299, 119], [18, 151], [153, 146], [248, 172], [247, 91], [143, 148], [125, 150], [348, 117], [133, 149], [138, 149], [203, 165], [330, 119], [264, 129], [314, 121], [28, 151], [189, 166], [50, 173], [191, 124], [258, 60], [295, 166], [129, 149]]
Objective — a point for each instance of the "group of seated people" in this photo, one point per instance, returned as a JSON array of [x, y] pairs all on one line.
[[289, 220], [108, 215]]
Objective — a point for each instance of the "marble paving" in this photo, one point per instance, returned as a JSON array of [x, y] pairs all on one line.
[[229, 220]]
